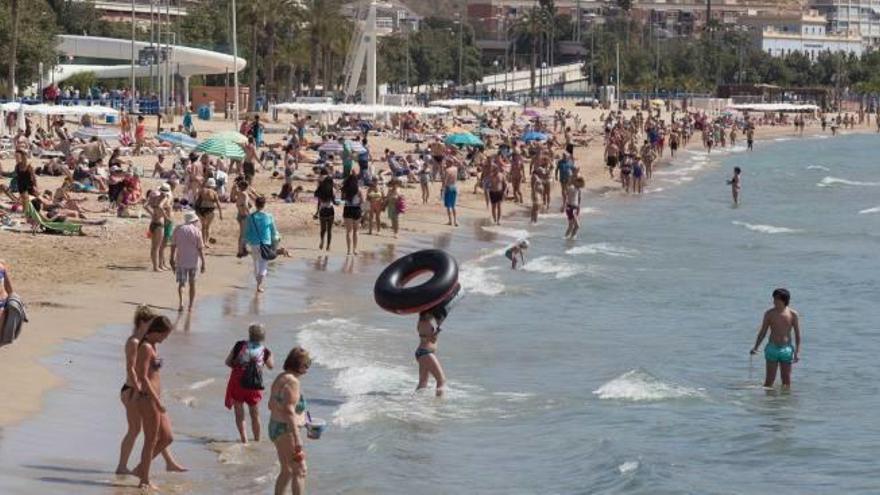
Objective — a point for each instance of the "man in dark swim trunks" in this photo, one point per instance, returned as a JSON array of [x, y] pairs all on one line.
[[497, 187]]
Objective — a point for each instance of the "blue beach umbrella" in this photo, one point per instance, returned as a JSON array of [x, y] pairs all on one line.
[[463, 139], [534, 136], [178, 139]]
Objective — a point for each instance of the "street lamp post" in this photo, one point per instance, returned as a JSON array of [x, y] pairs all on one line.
[[543, 68], [460, 46], [495, 82], [235, 65]]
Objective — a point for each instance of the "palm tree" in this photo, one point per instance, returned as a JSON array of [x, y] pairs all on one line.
[[13, 49], [532, 26], [323, 22]]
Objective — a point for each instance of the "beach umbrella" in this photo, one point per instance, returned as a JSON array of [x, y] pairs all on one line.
[[534, 136], [178, 139], [335, 147], [531, 113], [102, 133], [216, 146], [463, 139], [231, 136]]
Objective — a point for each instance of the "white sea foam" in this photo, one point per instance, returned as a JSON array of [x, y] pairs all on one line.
[[875, 209], [507, 232], [201, 384], [603, 248], [628, 467], [819, 167], [373, 380], [552, 265], [585, 210], [476, 279], [835, 181], [765, 229], [641, 386]]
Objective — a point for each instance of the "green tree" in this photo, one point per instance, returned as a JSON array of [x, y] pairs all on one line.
[[82, 81], [24, 47]]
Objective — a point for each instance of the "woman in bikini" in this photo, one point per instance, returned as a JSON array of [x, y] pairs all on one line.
[[143, 315], [352, 212], [426, 353], [288, 409], [154, 417], [206, 202], [326, 197]]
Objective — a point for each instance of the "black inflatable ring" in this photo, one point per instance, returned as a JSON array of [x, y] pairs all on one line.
[[392, 295]]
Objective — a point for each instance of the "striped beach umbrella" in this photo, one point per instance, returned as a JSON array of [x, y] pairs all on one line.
[[231, 136], [220, 147], [335, 147], [178, 139]]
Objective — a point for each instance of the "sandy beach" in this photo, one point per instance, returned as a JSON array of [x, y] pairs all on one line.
[[74, 286]]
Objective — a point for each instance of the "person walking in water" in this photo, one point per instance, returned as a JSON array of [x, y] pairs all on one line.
[[131, 389], [245, 386], [780, 320], [157, 424], [735, 184], [288, 408], [450, 192], [426, 353]]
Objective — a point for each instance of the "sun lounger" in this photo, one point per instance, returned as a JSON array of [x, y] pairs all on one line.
[[52, 227]]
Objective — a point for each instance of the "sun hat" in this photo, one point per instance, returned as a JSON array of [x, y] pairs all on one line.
[[211, 183], [165, 188], [190, 217]]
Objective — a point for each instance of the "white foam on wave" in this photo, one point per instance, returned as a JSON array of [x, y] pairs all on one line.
[[834, 181], [641, 386], [819, 167], [201, 384], [875, 209], [628, 467], [605, 249], [585, 210], [476, 279], [372, 380], [553, 265], [766, 229], [507, 232]]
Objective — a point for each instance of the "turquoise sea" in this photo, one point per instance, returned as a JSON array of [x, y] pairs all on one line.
[[617, 363]]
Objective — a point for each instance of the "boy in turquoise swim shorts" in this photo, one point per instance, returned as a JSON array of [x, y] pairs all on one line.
[[780, 320]]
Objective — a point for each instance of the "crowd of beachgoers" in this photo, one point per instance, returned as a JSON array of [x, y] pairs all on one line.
[[179, 190]]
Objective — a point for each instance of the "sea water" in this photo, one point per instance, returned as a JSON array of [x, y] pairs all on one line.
[[616, 363]]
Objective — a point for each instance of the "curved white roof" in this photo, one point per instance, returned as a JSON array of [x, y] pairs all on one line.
[[186, 61], [355, 108]]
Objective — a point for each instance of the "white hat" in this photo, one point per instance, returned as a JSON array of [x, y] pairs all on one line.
[[165, 188], [190, 217], [211, 183]]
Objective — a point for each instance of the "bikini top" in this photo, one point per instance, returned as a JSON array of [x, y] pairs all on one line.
[[301, 404]]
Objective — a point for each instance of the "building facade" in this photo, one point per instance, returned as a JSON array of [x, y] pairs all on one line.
[[859, 16], [783, 33]]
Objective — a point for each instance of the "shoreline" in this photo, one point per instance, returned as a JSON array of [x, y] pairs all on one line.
[[67, 312]]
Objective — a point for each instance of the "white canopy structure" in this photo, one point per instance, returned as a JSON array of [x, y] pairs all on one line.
[[355, 109], [45, 110], [774, 107], [457, 102], [500, 104]]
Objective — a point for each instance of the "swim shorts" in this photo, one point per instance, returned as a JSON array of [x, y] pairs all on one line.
[[185, 275], [496, 196], [450, 196], [779, 353], [169, 231]]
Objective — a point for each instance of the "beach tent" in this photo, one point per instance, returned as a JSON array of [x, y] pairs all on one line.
[[336, 148], [102, 133], [534, 136], [463, 139], [217, 146], [178, 139]]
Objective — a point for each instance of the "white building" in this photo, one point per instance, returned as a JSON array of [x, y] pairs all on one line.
[[859, 16], [783, 33]]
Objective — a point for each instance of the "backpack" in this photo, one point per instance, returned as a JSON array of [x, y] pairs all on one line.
[[252, 379], [14, 317]]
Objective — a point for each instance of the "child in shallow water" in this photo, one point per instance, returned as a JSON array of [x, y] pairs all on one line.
[[426, 353], [517, 249]]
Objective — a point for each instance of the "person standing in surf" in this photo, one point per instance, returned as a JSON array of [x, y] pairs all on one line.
[[779, 353], [426, 353], [289, 409], [735, 184], [131, 389]]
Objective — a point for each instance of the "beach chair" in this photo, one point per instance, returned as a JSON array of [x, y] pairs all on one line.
[[51, 227]]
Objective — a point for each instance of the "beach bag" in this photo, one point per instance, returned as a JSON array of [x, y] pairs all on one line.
[[252, 379], [401, 204], [267, 251], [13, 318]]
